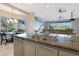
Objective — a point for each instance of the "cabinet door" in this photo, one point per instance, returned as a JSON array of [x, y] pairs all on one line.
[[28, 48], [67, 53], [18, 47], [42, 50]]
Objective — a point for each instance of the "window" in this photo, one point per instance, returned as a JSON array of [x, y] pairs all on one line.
[[61, 26], [38, 25], [7, 24], [22, 25]]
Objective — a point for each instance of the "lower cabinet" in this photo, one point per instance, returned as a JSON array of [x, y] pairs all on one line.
[[67, 53], [28, 48], [45, 51], [18, 47]]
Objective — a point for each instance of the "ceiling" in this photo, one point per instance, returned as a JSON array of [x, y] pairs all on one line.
[[10, 10], [46, 11]]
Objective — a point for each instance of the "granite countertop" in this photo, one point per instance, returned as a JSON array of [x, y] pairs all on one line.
[[63, 41]]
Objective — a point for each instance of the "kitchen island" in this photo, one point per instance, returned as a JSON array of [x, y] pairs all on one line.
[[40, 45]]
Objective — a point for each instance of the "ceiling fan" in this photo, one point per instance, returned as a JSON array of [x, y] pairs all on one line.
[[60, 10]]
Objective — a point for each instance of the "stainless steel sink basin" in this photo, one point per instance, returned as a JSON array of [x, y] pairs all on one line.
[[43, 38]]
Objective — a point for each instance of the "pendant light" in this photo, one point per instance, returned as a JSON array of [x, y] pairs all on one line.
[[12, 19], [12, 15], [72, 19]]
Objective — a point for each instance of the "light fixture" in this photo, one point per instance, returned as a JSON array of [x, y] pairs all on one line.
[[11, 16], [12, 19], [61, 11], [8, 21], [72, 19], [15, 21]]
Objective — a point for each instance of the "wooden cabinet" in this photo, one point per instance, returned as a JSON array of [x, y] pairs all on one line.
[[18, 47], [45, 50], [28, 48], [67, 53]]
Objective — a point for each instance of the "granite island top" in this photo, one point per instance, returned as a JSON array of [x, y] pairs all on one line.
[[66, 42]]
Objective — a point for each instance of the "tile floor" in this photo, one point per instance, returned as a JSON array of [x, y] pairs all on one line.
[[7, 50]]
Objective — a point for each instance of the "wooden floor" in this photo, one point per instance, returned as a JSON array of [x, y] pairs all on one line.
[[7, 50]]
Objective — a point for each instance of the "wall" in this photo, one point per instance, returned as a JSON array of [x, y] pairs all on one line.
[[29, 23]]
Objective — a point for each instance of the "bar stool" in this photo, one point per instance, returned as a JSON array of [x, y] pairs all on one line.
[[9, 38], [3, 38]]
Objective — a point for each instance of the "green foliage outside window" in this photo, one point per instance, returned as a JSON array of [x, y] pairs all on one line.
[[8, 26]]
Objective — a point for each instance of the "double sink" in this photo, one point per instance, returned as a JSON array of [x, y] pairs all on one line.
[[43, 38], [51, 38]]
